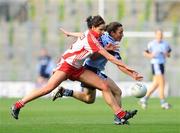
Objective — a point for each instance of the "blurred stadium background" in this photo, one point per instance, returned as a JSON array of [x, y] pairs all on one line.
[[28, 25]]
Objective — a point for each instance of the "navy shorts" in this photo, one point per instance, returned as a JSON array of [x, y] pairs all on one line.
[[95, 70], [157, 69]]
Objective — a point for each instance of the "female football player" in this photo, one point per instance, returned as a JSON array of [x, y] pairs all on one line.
[[158, 50]]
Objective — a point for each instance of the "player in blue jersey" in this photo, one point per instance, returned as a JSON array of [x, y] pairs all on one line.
[[109, 40], [158, 50]]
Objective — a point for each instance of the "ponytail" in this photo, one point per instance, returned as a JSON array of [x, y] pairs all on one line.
[[94, 21]]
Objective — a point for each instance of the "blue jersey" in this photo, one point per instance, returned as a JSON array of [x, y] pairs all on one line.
[[45, 66], [158, 48], [100, 61]]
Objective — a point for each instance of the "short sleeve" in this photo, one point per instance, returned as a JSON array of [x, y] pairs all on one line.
[[104, 39], [93, 44], [168, 48]]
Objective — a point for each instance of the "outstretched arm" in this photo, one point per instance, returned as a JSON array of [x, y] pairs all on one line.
[[123, 67], [133, 74], [73, 34]]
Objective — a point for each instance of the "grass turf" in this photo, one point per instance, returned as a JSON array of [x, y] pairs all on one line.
[[71, 116]]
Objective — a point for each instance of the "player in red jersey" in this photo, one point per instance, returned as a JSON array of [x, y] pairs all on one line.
[[109, 40], [71, 67]]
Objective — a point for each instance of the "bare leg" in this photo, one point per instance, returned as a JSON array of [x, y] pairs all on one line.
[[92, 79], [53, 82], [161, 82], [153, 86], [88, 95], [115, 90]]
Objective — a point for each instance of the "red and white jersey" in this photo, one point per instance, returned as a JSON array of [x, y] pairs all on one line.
[[84, 47]]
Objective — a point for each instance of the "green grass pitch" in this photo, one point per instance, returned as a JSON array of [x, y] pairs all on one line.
[[71, 116]]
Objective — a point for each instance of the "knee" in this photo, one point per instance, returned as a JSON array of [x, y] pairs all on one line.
[[105, 86], [47, 89], [89, 99]]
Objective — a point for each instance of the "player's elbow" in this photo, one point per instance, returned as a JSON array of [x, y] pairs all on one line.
[[91, 101], [168, 55]]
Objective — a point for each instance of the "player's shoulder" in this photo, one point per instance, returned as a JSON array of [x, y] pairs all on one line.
[[106, 39], [152, 43], [106, 36], [91, 39], [86, 32], [84, 37]]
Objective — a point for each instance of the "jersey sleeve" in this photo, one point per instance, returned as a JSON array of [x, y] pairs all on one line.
[[103, 40], [168, 48], [106, 39], [93, 44]]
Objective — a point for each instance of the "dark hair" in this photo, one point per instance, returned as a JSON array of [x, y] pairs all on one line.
[[112, 27], [94, 21]]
